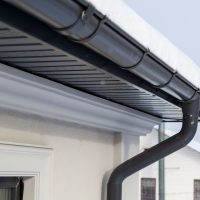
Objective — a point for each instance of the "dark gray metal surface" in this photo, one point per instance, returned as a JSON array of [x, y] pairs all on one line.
[[189, 126], [48, 50], [35, 56], [79, 21]]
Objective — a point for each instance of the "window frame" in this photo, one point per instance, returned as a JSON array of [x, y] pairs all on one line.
[[154, 187]]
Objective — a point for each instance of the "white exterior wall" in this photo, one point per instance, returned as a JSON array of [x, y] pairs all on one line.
[[82, 157], [88, 136], [181, 168]]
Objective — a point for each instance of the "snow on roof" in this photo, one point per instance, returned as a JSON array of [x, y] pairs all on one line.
[[130, 22]]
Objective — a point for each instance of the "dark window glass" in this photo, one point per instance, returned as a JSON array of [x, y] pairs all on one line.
[[148, 189], [196, 189], [11, 188]]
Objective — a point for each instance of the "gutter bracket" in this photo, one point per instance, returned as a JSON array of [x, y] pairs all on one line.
[[146, 53], [83, 20], [190, 111], [195, 93], [92, 35], [167, 83]]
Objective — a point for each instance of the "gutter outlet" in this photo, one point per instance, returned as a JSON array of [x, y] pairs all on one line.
[[190, 111]]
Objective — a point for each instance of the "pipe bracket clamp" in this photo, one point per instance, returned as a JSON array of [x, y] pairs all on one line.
[[146, 53], [84, 19]]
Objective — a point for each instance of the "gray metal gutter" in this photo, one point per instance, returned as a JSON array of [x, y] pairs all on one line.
[[83, 24], [87, 26], [28, 44]]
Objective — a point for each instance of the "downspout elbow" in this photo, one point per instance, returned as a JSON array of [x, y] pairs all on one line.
[[190, 111]]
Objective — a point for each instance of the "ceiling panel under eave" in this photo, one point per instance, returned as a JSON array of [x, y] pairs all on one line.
[[31, 51]]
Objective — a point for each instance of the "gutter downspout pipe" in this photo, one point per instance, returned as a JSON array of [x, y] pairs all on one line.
[[190, 111]]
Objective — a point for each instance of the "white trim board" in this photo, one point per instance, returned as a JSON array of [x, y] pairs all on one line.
[[16, 160], [24, 92]]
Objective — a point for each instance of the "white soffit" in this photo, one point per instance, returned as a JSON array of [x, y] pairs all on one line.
[[27, 93], [130, 22]]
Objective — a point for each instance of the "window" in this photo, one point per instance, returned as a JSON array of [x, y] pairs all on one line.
[[11, 188], [148, 189], [34, 164], [196, 189]]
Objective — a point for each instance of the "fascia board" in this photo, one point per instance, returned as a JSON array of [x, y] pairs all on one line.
[[27, 93]]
